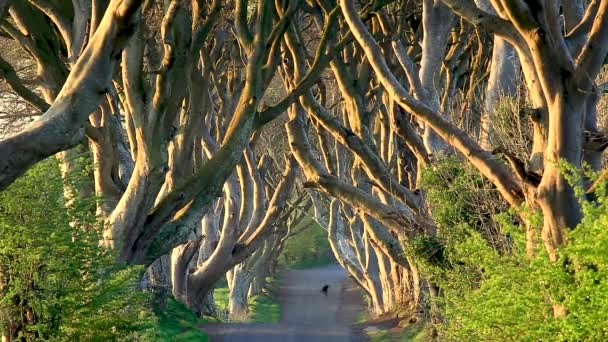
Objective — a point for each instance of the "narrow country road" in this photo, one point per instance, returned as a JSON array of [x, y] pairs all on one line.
[[306, 314]]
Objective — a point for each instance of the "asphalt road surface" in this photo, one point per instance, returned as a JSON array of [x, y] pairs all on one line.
[[306, 313]]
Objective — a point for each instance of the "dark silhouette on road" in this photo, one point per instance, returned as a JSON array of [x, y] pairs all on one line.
[[305, 316], [324, 289]]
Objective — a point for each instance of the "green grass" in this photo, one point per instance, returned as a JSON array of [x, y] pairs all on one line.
[[178, 323], [417, 332], [362, 317], [263, 308], [379, 336], [412, 333], [311, 263], [220, 295]]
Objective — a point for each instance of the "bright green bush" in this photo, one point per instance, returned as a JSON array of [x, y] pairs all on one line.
[[178, 323], [56, 282], [491, 290]]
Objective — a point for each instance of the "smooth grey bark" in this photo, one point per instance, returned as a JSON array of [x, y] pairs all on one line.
[[574, 10], [565, 87], [502, 81], [62, 125], [437, 22], [231, 251]]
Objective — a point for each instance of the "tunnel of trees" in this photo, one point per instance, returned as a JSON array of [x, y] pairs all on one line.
[[451, 152]]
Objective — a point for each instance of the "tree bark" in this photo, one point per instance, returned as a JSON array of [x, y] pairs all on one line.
[[62, 125]]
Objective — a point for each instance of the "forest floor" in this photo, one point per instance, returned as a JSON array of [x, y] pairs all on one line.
[[306, 313]]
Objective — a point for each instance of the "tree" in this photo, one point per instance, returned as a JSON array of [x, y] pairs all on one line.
[[374, 95], [535, 32], [57, 282], [62, 126], [155, 193]]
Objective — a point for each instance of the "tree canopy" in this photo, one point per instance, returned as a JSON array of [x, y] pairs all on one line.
[[451, 152]]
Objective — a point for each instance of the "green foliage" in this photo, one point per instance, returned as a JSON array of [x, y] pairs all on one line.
[[411, 333], [178, 323], [307, 249], [57, 283], [220, 295], [462, 203], [379, 336], [264, 308], [491, 289]]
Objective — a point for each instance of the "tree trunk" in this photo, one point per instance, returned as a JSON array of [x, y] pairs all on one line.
[[556, 196], [502, 82], [62, 125], [437, 22], [239, 290]]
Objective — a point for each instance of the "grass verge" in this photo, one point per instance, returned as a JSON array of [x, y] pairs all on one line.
[[411, 333], [178, 323], [263, 308], [220, 295], [389, 329], [414, 333]]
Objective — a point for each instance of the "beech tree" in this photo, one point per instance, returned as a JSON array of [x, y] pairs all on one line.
[[156, 191], [74, 97], [534, 30], [171, 98]]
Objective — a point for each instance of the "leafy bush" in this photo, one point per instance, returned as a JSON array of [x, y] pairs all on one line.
[[494, 291], [178, 323], [56, 282]]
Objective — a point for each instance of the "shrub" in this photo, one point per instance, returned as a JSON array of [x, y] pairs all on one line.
[[56, 282], [495, 292]]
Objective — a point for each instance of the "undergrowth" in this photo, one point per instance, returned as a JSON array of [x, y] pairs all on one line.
[[178, 323], [491, 290], [263, 308]]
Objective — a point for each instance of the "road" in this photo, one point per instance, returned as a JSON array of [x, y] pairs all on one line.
[[306, 313]]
